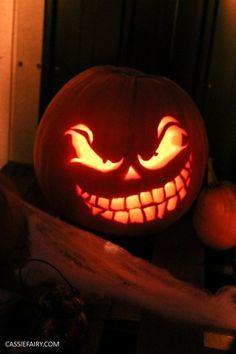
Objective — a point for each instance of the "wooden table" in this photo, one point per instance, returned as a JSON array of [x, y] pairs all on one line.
[[120, 328]]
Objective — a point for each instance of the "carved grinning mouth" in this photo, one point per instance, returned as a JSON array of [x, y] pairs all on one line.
[[144, 206]]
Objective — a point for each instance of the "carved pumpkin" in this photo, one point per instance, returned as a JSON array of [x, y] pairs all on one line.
[[215, 213], [121, 152]]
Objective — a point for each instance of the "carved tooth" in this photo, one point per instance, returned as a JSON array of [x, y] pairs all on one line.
[[184, 173], [92, 200], [172, 203], [108, 214], [146, 198], [85, 195], [170, 189], [78, 190], [150, 212], [161, 210], [133, 202], [96, 211], [158, 195], [121, 216], [188, 181], [179, 183], [188, 166], [118, 203], [136, 216], [182, 193], [103, 202]]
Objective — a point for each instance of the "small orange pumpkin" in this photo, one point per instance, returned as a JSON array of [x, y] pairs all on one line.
[[122, 152], [215, 213]]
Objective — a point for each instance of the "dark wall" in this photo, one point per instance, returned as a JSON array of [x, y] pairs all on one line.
[[219, 107], [189, 41], [158, 36]]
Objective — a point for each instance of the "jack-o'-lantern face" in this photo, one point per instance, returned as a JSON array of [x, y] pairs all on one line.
[[120, 152], [148, 204]]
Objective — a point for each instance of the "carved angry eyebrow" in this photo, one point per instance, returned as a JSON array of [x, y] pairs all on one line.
[[170, 142], [82, 137], [82, 128], [164, 124]]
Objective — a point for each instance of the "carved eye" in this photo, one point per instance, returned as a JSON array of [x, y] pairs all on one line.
[[82, 138], [173, 139]]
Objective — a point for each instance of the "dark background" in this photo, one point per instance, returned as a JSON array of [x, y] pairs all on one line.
[[192, 42]]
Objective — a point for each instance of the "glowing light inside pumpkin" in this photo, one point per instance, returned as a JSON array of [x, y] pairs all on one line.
[[122, 216], [103, 203], [150, 212], [172, 203], [158, 195], [171, 144], [147, 205], [142, 207], [163, 123], [182, 193], [132, 202], [162, 210], [136, 216], [132, 174], [146, 198], [118, 203], [82, 138], [170, 189], [179, 182]]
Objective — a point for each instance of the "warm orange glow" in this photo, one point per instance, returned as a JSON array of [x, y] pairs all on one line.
[[161, 210], [85, 195], [179, 182], [188, 165], [158, 195], [122, 216], [85, 153], [166, 120], [103, 202], [182, 193], [107, 214], [172, 203], [144, 206], [78, 190], [136, 216], [146, 198], [188, 181], [170, 189], [133, 202], [92, 200], [88, 205], [118, 203], [96, 211], [184, 173], [150, 213], [132, 174], [170, 146], [85, 129]]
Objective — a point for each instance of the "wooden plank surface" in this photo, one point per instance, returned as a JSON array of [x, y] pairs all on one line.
[[178, 251], [97, 309]]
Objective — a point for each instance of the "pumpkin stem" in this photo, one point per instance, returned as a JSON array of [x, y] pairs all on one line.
[[211, 176]]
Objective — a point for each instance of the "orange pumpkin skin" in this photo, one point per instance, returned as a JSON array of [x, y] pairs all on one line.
[[121, 152], [215, 216]]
